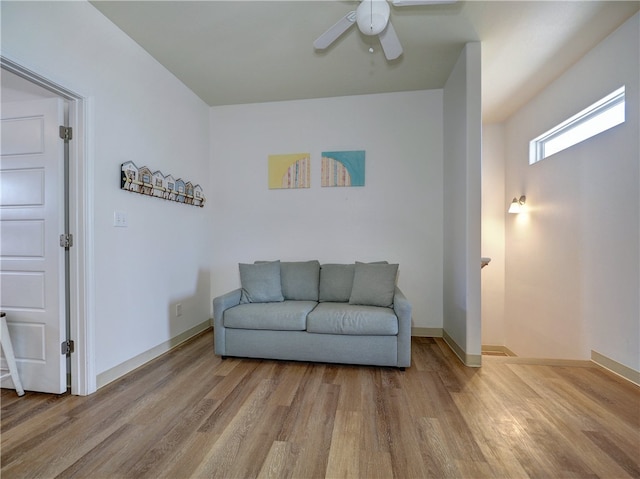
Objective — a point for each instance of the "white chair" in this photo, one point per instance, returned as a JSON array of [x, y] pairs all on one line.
[[7, 347]]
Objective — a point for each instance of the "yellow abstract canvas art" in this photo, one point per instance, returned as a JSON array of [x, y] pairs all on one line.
[[290, 171]]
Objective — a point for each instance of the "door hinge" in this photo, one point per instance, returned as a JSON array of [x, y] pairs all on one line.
[[66, 133], [67, 347], [66, 240]]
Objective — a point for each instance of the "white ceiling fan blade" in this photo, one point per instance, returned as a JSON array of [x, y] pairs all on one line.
[[408, 3], [390, 43], [331, 35]]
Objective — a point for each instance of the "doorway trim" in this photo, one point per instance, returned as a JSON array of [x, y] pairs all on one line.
[[81, 290]]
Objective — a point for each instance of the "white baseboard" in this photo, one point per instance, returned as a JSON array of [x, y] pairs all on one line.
[[471, 360], [615, 367], [497, 349], [426, 332], [120, 370]]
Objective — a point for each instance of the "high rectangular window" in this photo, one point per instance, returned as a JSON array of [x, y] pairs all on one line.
[[601, 116]]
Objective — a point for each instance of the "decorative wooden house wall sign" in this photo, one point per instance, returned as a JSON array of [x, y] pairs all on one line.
[[145, 182]]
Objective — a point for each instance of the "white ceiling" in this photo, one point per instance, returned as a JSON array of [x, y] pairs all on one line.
[[231, 52]]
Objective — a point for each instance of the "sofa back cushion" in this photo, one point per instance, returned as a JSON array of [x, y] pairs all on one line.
[[336, 281], [300, 280], [260, 282]]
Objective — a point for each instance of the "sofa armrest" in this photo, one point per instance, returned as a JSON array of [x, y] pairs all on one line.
[[402, 307], [220, 305]]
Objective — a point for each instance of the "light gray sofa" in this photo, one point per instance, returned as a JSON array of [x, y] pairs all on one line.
[[334, 313]]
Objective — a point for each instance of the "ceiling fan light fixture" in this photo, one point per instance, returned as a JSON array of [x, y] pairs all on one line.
[[372, 16]]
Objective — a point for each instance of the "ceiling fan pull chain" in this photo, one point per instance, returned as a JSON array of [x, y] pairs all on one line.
[[371, 27], [371, 17]]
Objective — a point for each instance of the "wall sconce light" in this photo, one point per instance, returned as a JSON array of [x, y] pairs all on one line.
[[517, 205]]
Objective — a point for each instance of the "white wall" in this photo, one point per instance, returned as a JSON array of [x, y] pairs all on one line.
[[572, 276], [494, 207], [139, 112], [462, 197], [396, 216]]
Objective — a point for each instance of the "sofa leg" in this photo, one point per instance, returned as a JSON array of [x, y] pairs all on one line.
[[223, 357], [401, 369]]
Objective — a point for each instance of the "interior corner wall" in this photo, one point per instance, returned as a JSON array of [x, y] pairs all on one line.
[[572, 276], [462, 198], [396, 216], [139, 112], [494, 207]]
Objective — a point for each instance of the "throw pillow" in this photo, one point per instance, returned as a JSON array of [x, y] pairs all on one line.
[[374, 284], [260, 283]]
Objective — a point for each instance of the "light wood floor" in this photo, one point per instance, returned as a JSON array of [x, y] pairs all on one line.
[[190, 414]]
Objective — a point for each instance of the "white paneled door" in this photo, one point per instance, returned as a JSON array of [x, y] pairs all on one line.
[[32, 284]]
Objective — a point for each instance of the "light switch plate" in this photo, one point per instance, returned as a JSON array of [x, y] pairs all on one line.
[[120, 219]]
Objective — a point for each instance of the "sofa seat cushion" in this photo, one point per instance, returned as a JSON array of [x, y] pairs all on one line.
[[343, 318], [283, 316]]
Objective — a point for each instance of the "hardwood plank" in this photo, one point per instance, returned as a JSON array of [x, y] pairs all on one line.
[[309, 425], [100, 456], [170, 448], [494, 430], [374, 437], [191, 453], [167, 433], [278, 463], [618, 456], [233, 391], [591, 410], [344, 453], [403, 437], [236, 436], [434, 451], [190, 414], [374, 464]]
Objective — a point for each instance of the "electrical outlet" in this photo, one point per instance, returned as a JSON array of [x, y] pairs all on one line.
[[178, 310], [120, 219]]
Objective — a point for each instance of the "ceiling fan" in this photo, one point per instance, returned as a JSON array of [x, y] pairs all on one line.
[[372, 17]]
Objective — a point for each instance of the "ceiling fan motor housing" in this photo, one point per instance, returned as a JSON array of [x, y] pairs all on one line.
[[372, 16]]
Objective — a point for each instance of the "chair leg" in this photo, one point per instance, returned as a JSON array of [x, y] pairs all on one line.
[[7, 347]]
